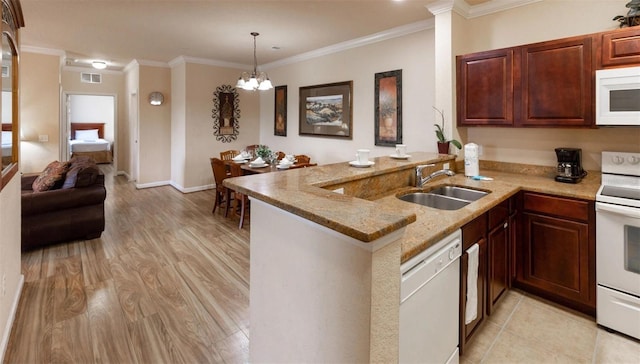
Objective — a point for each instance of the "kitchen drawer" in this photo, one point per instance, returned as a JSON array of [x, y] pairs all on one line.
[[557, 206], [499, 214], [474, 231]]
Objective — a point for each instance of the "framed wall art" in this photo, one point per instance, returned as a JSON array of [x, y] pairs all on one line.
[[388, 108], [327, 110], [226, 113], [280, 111]]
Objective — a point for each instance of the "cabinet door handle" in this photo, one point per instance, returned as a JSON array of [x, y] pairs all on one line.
[[506, 225]]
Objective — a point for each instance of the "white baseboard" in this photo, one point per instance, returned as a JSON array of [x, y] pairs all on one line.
[[123, 173], [171, 183], [152, 184], [12, 316], [192, 189]]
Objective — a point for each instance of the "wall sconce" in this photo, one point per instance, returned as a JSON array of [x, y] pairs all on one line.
[[156, 98]]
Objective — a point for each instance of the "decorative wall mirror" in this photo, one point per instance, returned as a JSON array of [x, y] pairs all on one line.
[[11, 20], [226, 113]]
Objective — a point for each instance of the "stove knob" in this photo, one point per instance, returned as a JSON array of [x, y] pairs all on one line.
[[616, 159], [633, 159]]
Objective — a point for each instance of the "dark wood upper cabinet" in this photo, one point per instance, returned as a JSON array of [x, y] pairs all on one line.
[[620, 48], [546, 84], [485, 88], [557, 83]]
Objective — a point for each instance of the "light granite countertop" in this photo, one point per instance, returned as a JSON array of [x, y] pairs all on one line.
[[307, 192]]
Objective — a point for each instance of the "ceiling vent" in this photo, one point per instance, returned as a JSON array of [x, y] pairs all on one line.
[[90, 77]]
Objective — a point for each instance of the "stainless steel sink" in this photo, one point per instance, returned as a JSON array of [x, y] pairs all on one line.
[[435, 201], [459, 192], [444, 197]]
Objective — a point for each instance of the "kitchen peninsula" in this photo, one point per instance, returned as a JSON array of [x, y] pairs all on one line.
[[325, 266]]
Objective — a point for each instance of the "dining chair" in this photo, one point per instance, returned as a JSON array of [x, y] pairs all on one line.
[[251, 149], [228, 155], [223, 194], [303, 165], [240, 198], [281, 155], [302, 159]]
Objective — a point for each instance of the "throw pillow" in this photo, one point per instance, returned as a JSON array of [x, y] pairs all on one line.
[[53, 174], [81, 174], [71, 178]]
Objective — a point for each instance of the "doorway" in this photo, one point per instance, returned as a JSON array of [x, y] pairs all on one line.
[[89, 108]]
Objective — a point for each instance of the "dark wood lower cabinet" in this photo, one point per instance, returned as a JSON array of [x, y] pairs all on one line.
[[556, 253], [540, 243], [498, 272], [467, 330]]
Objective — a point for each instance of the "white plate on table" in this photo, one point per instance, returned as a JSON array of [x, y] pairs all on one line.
[[239, 161], [395, 156], [252, 165], [283, 166], [358, 165]]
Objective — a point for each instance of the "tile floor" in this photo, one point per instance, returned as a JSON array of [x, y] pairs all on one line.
[[528, 329]]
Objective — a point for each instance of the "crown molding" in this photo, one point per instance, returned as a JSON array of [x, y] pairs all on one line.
[[207, 62], [143, 62], [40, 50], [495, 6], [90, 70], [467, 11], [355, 43]]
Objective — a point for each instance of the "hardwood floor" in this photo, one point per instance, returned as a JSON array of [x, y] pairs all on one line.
[[166, 282]]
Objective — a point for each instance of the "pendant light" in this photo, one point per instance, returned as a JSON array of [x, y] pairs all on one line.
[[254, 80]]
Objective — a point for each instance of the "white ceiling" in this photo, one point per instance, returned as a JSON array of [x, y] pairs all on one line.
[[120, 31]]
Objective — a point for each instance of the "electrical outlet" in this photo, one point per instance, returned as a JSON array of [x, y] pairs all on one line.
[[43, 138], [445, 166]]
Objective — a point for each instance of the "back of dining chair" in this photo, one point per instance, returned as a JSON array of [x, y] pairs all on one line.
[[302, 159], [281, 155], [223, 194], [235, 169], [242, 200], [228, 155], [219, 171]]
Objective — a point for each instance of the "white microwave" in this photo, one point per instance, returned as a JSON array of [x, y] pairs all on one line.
[[618, 96]]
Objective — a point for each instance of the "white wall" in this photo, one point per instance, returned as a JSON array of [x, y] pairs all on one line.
[[10, 268], [200, 142], [94, 109], [154, 126], [413, 53], [39, 110], [6, 111]]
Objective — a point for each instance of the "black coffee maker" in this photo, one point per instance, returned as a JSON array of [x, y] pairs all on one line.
[[569, 165]]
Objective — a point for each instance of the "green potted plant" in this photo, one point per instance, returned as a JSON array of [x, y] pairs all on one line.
[[263, 152], [443, 143], [633, 15]]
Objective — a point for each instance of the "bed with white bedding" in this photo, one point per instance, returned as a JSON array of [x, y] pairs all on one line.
[[7, 145], [87, 139]]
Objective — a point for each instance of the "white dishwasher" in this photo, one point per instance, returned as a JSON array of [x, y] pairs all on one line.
[[429, 303]]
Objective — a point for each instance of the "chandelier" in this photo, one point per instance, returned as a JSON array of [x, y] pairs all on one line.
[[254, 80]]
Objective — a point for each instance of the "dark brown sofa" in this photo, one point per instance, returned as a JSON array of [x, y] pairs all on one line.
[[58, 215]]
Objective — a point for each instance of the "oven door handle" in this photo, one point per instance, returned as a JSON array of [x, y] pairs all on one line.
[[631, 212]]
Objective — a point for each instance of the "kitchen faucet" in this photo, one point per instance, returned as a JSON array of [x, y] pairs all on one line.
[[420, 181]]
